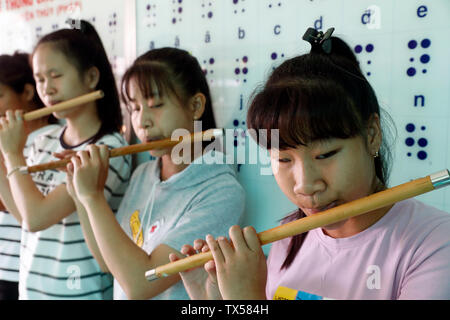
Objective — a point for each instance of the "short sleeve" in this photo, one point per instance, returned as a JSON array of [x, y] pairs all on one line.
[[428, 276]]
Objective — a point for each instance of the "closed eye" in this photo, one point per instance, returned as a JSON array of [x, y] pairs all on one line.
[[327, 155]]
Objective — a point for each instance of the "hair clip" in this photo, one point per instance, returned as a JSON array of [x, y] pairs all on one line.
[[319, 41]]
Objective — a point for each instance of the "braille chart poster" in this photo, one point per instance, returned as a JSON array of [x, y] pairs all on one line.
[[402, 47]]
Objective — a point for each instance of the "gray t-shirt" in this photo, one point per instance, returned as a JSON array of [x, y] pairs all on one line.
[[202, 199]]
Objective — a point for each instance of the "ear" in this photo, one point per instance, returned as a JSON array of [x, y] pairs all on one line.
[[197, 105], [92, 77], [374, 134], [28, 93]]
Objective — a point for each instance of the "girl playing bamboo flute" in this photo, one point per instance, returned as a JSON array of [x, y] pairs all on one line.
[[17, 92], [167, 202], [55, 261], [330, 151]]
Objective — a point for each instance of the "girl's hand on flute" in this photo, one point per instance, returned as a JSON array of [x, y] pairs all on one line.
[[69, 182], [12, 133], [64, 155], [200, 284], [90, 170], [241, 266]]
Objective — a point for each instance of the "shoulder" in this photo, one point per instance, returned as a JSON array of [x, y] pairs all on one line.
[[420, 230], [223, 185], [112, 140], [417, 219], [46, 135]]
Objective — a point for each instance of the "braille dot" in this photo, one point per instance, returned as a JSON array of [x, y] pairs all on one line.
[[425, 58], [358, 49], [425, 43], [244, 70], [422, 142], [422, 155], [236, 123], [369, 47], [409, 154], [409, 142], [245, 59], [273, 56], [412, 44], [410, 127], [411, 71], [237, 71]]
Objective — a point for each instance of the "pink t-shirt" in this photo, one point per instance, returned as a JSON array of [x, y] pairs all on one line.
[[404, 255]]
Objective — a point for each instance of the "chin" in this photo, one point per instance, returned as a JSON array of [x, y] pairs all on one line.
[[335, 226], [157, 153]]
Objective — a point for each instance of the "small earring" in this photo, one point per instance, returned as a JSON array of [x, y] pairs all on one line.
[[376, 154]]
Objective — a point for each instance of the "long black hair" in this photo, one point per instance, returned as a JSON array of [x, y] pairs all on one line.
[[312, 97], [84, 48]]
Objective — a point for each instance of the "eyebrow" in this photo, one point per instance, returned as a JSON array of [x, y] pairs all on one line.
[[48, 71]]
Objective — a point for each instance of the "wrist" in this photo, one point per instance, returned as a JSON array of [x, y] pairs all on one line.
[[14, 160], [92, 199]]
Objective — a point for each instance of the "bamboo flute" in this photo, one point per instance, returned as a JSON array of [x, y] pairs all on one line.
[[206, 135], [36, 114], [345, 211]]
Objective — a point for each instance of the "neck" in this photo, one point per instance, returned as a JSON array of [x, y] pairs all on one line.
[[357, 224], [360, 223], [82, 125], [169, 168]]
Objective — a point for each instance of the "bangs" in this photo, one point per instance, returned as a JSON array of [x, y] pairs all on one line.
[[302, 112], [153, 79]]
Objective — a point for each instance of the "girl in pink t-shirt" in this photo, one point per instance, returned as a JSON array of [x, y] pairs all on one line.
[[330, 151]]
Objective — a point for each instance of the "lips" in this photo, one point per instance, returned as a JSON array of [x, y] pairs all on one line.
[[319, 209], [148, 139], [52, 103]]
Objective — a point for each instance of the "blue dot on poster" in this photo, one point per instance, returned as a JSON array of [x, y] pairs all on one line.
[[410, 127], [422, 155]]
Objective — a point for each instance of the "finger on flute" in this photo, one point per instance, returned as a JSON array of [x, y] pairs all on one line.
[[33, 115], [345, 211]]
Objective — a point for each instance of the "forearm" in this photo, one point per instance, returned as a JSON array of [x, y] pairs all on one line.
[[38, 212], [126, 261], [7, 201], [89, 236]]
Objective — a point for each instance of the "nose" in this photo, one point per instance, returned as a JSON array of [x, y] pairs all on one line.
[[144, 120], [48, 88], [308, 179]]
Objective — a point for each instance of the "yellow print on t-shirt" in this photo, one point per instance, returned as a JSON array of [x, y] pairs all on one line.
[[135, 226]]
